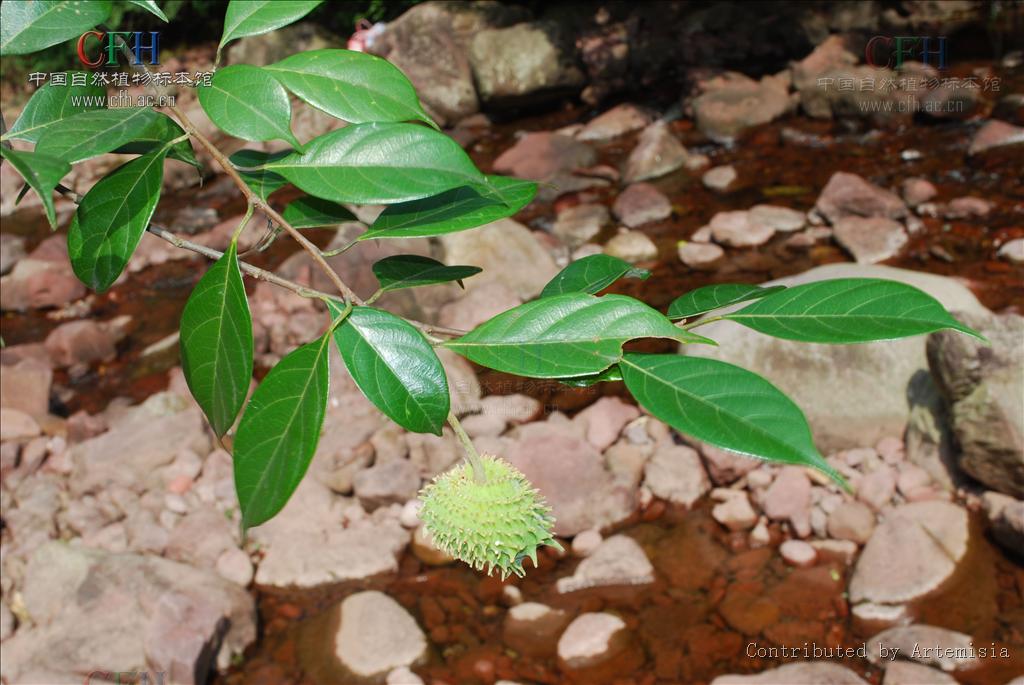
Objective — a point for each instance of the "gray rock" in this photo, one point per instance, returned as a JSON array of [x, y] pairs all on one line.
[[870, 240], [911, 552], [170, 617], [657, 153], [631, 246], [848, 194], [307, 545], [577, 225], [522, 63], [590, 640], [804, 673], [675, 473], [641, 203], [618, 560], [877, 393], [1006, 517], [985, 387], [507, 252], [376, 635], [391, 482], [908, 673], [571, 474], [929, 645], [617, 121]]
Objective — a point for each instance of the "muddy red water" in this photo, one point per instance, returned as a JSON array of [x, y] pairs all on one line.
[[713, 596]]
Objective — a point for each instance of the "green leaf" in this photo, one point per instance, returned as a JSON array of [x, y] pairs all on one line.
[[53, 103], [848, 310], [562, 336], [279, 431], [95, 132], [253, 17], [151, 7], [217, 342], [609, 375], [410, 271], [312, 212], [260, 181], [395, 367], [111, 219], [349, 85], [592, 274], [723, 405], [714, 296], [31, 26], [161, 131], [454, 210], [378, 163], [248, 103], [41, 172]]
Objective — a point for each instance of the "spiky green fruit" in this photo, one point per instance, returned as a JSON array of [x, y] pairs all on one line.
[[493, 525]]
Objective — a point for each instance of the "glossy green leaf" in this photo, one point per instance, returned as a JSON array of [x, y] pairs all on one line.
[[260, 181], [712, 297], [248, 103], [723, 405], [111, 219], [162, 130], [378, 163], [41, 172], [312, 212], [609, 375], [151, 7], [592, 274], [253, 17], [562, 336], [279, 431], [31, 26], [395, 367], [848, 310], [217, 342], [53, 103], [410, 271], [95, 132], [454, 210], [349, 85]]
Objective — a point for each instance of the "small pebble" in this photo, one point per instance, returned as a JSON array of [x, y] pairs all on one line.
[[584, 544], [798, 553]]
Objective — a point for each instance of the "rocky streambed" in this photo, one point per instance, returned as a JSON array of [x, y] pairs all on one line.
[[683, 563]]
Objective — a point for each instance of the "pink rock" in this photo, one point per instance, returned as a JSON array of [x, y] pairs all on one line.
[[81, 426], [995, 134], [735, 512], [890, 449], [1013, 251], [851, 521], [789, 498], [541, 156], [723, 466], [877, 488], [912, 479], [702, 235], [641, 203], [83, 342], [965, 207], [739, 229], [798, 553], [604, 420], [917, 191], [26, 386], [657, 153], [42, 279], [617, 121], [782, 219], [719, 178], [848, 194], [870, 240], [17, 425], [699, 255]]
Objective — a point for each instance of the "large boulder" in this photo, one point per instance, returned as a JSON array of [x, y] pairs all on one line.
[[984, 386], [429, 43], [852, 394], [523, 63], [124, 613]]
